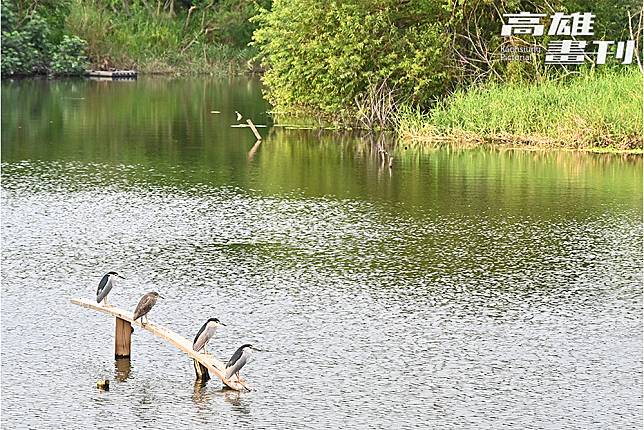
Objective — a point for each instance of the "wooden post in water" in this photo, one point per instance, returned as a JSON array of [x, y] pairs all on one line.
[[122, 338], [201, 371]]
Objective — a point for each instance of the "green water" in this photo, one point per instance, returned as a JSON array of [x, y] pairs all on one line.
[[463, 288]]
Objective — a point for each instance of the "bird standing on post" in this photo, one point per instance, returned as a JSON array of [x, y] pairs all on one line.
[[243, 355], [105, 286], [205, 333], [145, 304]]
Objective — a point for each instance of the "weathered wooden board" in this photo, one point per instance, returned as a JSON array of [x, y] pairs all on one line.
[[215, 366], [122, 338]]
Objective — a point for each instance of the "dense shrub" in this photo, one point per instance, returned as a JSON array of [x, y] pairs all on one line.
[[68, 59], [25, 48], [322, 55], [29, 46]]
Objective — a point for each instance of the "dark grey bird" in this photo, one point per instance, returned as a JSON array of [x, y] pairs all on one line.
[[205, 333], [243, 355], [105, 286], [145, 304]]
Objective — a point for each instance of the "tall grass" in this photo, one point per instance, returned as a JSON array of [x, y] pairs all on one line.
[[152, 43], [601, 109]]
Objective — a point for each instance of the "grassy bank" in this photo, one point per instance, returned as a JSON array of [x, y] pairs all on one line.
[[596, 110], [205, 39]]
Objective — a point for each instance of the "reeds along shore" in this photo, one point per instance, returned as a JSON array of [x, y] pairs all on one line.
[[596, 110]]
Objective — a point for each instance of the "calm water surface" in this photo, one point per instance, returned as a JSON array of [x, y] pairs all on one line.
[[464, 289]]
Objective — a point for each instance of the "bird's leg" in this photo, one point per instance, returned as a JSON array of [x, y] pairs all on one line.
[[105, 301]]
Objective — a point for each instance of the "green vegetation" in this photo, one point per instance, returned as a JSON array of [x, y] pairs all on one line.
[[166, 37], [346, 59], [199, 36], [595, 110], [433, 69], [66, 60], [325, 57], [32, 44]]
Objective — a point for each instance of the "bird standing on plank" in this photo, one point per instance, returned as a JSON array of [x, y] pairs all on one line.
[[205, 333], [145, 304], [105, 286], [243, 355]]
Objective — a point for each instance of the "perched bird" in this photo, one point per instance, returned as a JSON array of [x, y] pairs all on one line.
[[105, 286], [242, 356], [205, 333], [239, 116], [144, 306]]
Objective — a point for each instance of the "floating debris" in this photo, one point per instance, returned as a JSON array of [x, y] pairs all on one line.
[[103, 384], [214, 111], [113, 74]]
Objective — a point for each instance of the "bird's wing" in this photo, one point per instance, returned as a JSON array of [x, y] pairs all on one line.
[[198, 343], [235, 363], [236, 356], [102, 284], [144, 306], [241, 361], [104, 287]]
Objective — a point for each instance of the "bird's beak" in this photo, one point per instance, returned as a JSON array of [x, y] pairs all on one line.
[[257, 349], [222, 324], [161, 297], [122, 277]]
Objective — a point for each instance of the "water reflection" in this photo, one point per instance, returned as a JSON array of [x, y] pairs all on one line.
[[201, 395], [253, 150], [236, 400], [122, 369]]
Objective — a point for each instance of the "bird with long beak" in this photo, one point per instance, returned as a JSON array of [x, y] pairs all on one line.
[[205, 334], [145, 304], [105, 286], [243, 355]]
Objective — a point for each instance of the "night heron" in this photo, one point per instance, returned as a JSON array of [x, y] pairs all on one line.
[[105, 286], [205, 333], [242, 356], [144, 306], [239, 116]]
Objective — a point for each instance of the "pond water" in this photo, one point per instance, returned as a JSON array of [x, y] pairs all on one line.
[[464, 288]]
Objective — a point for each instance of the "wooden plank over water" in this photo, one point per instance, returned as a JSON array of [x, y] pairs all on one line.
[[215, 366]]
